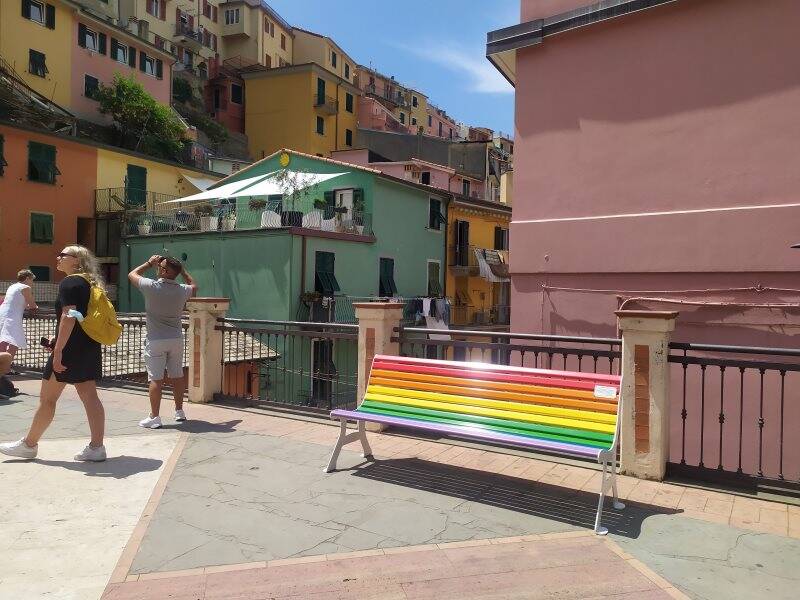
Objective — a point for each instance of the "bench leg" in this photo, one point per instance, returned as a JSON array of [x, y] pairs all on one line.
[[608, 480], [345, 438], [598, 529]]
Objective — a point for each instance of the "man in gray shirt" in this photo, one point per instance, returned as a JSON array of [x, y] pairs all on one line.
[[164, 300]]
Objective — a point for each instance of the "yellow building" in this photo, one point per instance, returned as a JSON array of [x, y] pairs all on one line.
[[303, 107], [477, 263], [418, 109], [507, 187], [35, 43], [312, 47], [256, 33]]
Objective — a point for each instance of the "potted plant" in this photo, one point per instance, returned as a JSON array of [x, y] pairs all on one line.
[[145, 226], [320, 204], [257, 204], [229, 222], [205, 213]]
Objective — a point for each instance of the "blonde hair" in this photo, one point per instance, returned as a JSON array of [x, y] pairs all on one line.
[[87, 264], [24, 274]]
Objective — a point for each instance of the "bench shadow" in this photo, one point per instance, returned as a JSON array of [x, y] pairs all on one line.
[[547, 501], [195, 426], [118, 467]]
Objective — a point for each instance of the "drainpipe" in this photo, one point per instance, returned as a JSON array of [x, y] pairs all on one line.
[[336, 127]]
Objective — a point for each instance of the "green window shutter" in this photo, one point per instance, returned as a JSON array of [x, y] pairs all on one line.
[[41, 228], [348, 102], [434, 287], [324, 277], [113, 53], [41, 273], [330, 203], [50, 16], [132, 57], [26, 9], [81, 35], [142, 61], [160, 68], [42, 163], [386, 280], [101, 43]]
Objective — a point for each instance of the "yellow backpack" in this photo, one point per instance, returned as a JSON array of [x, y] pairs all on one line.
[[100, 322]]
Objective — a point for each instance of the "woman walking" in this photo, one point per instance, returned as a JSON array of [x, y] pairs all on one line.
[[19, 296], [75, 359]]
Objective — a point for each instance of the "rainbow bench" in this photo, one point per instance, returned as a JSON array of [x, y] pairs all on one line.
[[559, 412]]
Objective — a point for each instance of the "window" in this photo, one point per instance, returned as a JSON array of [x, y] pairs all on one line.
[[348, 102], [320, 126], [346, 71], [41, 228], [430, 121], [320, 91], [150, 65], [333, 59], [440, 129], [153, 7], [465, 183], [324, 277], [3, 162], [435, 217], [42, 163], [451, 133], [386, 285], [403, 118], [348, 137], [413, 121], [91, 40], [159, 43], [206, 9], [283, 42], [500, 238], [425, 177], [231, 16], [414, 101], [266, 25], [41, 273], [119, 52], [236, 93], [461, 243], [90, 86], [39, 12], [272, 30], [434, 285], [36, 63]]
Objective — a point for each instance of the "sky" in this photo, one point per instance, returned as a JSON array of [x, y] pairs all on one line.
[[436, 46]]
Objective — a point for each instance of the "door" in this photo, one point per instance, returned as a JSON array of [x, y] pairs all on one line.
[[136, 185], [462, 243], [320, 90]]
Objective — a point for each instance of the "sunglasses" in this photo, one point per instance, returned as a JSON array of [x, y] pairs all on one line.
[[63, 254]]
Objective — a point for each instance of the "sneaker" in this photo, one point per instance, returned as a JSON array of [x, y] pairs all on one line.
[[150, 423], [19, 449], [180, 416], [90, 454]]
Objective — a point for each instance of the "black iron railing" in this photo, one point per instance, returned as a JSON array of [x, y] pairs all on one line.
[[570, 353], [289, 363], [737, 413], [123, 199]]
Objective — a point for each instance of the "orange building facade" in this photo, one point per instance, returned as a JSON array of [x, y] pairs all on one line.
[[46, 200]]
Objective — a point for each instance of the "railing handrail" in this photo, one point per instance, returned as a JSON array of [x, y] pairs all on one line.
[[511, 335], [734, 349], [348, 326]]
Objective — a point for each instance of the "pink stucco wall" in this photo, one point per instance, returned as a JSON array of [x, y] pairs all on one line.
[[656, 156], [433, 129], [374, 115], [103, 67]]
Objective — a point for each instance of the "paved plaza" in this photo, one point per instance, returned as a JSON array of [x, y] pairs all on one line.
[[234, 504]]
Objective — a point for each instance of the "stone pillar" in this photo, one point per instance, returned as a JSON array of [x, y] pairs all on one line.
[[376, 323], [205, 347], [644, 425]]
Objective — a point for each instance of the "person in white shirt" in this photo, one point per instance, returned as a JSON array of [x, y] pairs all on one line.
[[19, 296]]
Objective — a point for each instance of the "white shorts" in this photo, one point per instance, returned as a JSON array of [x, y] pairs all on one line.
[[163, 355]]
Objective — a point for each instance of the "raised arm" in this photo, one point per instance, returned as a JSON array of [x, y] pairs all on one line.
[[135, 276], [27, 293], [189, 281]]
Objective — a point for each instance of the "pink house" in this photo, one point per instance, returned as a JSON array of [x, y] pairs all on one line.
[[99, 50], [656, 165], [440, 124], [374, 115]]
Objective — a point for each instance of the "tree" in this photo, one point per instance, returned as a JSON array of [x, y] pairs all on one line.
[[142, 123]]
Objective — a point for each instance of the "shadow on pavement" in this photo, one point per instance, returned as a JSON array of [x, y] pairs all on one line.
[[543, 500], [118, 467], [194, 426]]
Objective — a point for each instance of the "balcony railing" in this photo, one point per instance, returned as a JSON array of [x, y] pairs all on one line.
[[326, 104], [122, 199], [463, 258], [186, 34], [245, 215]]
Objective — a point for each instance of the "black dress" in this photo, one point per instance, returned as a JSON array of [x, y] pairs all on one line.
[[81, 356]]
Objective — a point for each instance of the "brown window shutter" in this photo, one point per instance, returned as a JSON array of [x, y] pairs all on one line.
[[162, 13]]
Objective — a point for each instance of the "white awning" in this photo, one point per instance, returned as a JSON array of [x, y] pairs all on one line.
[[224, 191], [270, 186], [201, 183]]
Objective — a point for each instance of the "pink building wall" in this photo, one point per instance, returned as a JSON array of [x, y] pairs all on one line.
[[103, 67], [656, 157], [433, 128], [373, 115]]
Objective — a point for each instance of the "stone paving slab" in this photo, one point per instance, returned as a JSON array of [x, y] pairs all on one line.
[[63, 524], [580, 566]]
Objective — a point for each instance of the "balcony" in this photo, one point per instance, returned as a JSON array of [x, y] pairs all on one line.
[[225, 216], [188, 37], [326, 104], [109, 201], [234, 29], [462, 261]]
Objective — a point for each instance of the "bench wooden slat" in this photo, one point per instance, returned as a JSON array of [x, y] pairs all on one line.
[[589, 438], [472, 432], [524, 407], [492, 389]]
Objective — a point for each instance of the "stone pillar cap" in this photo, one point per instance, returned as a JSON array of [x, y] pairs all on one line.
[[646, 314], [379, 305]]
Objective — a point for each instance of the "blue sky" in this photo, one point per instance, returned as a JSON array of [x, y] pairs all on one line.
[[437, 46]]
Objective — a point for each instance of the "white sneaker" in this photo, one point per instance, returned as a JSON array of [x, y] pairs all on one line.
[[180, 416], [19, 449], [90, 454], [150, 423]]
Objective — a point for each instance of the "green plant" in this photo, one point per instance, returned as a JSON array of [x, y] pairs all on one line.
[[182, 90], [142, 123], [217, 134], [257, 204], [204, 210], [320, 204]]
